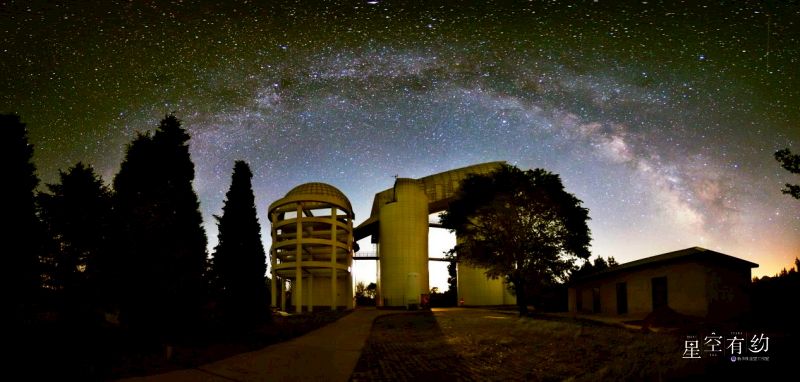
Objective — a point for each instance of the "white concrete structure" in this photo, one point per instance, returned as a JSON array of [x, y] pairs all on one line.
[[399, 225], [476, 290], [312, 246]]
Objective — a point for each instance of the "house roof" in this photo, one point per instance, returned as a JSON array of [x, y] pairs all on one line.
[[694, 253]]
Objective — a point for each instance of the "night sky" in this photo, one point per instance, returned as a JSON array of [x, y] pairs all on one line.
[[663, 119]]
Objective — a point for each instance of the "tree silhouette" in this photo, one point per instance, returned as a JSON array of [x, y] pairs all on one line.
[[239, 262], [451, 294], [76, 215], [23, 233], [588, 268], [519, 225], [162, 254], [790, 162]]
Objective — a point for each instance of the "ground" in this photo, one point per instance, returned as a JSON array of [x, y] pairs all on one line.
[[493, 345]]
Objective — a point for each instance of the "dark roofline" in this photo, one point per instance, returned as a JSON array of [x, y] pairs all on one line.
[[694, 253]]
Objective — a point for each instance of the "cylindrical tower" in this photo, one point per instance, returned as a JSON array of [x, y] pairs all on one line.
[[312, 246], [403, 243]]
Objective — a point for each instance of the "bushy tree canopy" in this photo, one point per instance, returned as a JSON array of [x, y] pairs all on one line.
[[518, 225], [790, 162], [76, 213], [162, 243], [23, 233]]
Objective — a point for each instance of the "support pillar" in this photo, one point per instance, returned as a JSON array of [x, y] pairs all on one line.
[[334, 228], [297, 294], [283, 294], [273, 290], [310, 292]]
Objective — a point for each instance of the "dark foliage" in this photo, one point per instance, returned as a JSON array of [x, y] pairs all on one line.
[[76, 213], [790, 162], [770, 301], [588, 268], [24, 233], [366, 294], [161, 252], [519, 225], [451, 294], [239, 261]]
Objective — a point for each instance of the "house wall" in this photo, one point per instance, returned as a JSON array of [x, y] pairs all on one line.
[[686, 290]]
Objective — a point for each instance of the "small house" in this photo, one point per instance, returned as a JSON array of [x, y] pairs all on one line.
[[694, 282]]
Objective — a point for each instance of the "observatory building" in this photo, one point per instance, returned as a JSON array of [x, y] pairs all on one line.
[[321, 254], [399, 224], [312, 245]]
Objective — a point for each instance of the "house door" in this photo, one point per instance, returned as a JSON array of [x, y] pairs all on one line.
[[659, 292], [579, 300], [622, 298], [596, 300]]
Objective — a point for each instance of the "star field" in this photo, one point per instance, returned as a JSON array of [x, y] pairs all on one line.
[[662, 118]]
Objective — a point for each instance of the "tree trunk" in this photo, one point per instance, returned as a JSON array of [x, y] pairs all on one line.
[[522, 301]]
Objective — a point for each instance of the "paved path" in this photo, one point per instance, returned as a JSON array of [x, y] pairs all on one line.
[[329, 353]]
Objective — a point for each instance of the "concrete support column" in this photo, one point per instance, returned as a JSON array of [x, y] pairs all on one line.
[[283, 294], [273, 302], [297, 294], [334, 228], [310, 292]]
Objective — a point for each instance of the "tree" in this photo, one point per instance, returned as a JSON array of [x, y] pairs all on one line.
[[239, 262], [372, 291], [23, 233], [76, 215], [162, 253], [612, 262], [790, 162], [519, 225]]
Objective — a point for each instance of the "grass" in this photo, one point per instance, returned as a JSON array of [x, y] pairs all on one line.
[[504, 347]]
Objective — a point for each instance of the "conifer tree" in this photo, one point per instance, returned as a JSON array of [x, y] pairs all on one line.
[[23, 233], [162, 237], [239, 262], [76, 215]]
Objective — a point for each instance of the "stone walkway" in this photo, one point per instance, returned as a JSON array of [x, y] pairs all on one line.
[[329, 353], [409, 347]]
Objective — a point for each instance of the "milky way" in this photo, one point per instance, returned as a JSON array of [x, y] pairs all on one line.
[[663, 119]]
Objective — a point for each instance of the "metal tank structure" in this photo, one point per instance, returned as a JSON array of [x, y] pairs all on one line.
[[312, 246], [398, 224]]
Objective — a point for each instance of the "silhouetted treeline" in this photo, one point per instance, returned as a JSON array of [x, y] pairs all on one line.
[[772, 301], [24, 232], [133, 256]]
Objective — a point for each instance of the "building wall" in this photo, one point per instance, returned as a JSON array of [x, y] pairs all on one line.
[[476, 290], [321, 293], [686, 290]]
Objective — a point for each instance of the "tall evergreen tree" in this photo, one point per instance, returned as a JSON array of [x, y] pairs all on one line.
[[76, 215], [162, 237], [239, 262], [23, 233]]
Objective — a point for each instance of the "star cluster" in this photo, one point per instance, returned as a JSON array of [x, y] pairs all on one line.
[[662, 118]]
